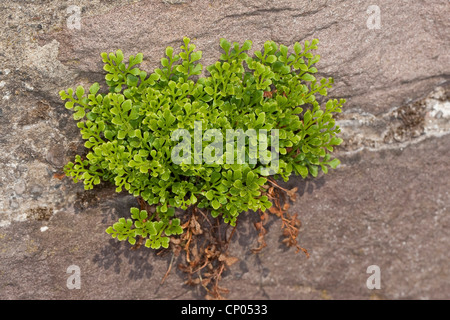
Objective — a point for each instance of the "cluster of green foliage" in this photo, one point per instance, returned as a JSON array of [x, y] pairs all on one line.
[[128, 130]]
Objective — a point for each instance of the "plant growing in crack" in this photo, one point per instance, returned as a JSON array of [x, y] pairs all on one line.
[[128, 133]]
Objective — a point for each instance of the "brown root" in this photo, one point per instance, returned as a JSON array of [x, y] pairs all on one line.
[[205, 240]]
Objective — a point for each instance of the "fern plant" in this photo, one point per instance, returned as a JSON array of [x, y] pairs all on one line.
[[129, 130]]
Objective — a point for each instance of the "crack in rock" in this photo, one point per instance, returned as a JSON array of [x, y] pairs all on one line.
[[397, 128]]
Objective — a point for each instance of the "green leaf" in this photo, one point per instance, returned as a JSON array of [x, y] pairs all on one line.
[[271, 59], [165, 242], [91, 116], [215, 204], [209, 90], [298, 48], [210, 195], [110, 230], [307, 117], [261, 119], [79, 92], [334, 163], [250, 177], [134, 213], [308, 77], [247, 45], [119, 56], [336, 141], [132, 81], [314, 170], [143, 215], [165, 62], [323, 91], [195, 56], [79, 114], [302, 170], [139, 58], [225, 45], [150, 226], [94, 88], [315, 59], [169, 52], [69, 104]]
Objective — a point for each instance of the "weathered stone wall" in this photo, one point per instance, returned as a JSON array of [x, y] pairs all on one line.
[[387, 204]]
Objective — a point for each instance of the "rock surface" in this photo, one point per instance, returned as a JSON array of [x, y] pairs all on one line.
[[386, 205]]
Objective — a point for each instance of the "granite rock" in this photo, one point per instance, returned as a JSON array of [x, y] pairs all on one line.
[[386, 205]]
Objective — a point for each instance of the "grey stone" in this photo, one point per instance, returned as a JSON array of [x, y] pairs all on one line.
[[13, 204], [20, 187], [386, 209], [56, 156], [36, 191]]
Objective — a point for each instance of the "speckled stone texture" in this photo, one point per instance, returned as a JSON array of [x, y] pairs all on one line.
[[388, 203]]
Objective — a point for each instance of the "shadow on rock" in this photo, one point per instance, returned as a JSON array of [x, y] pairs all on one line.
[[246, 233], [118, 257]]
